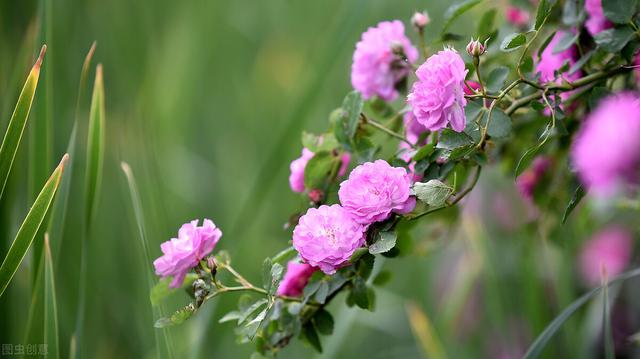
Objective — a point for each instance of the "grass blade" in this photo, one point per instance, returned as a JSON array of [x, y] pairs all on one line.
[[30, 226], [609, 352], [51, 308], [424, 332], [136, 203], [18, 122], [95, 146], [59, 210], [543, 339]]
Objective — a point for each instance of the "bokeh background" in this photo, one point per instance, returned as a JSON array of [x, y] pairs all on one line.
[[206, 101]]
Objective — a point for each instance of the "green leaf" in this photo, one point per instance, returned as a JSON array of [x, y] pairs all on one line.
[[51, 335], [358, 254], [266, 273], [513, 42], [17, 123], [316, 143], [323, 321], [434, 193], [566, 41], [95, 146], [233, 315], [276, 275], [485, 26], [499, 125], [581, 62], [322, 292], [176, 318], [456, 10], [619, 11], [497, 77], [542, 13], [350, 116], [246, 313], [30, 226], [384, 242], [161, 290], [358, 294], [382, 278], [365, 266], [318, 169], [577, 197], [310, 335], [545, 44], [450, 140], [613, 40], [543, 339]]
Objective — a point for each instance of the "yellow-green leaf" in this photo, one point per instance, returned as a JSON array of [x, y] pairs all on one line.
[[18, 122], [95, 145], [51, 308], [30, 226]]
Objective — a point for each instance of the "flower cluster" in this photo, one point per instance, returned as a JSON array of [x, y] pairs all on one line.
[[606, 151], [437, 98], [379, 60], [182, 254]]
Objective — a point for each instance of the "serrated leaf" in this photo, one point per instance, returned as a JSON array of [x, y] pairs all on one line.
[[266, 273], [318, 169], [485, 26], [513, 42], [456, 10], [323, 321], [276, 275], [619, 11], [246, 313], [613, 40], [497, 77], [30, 226], [384, 242], [577, 197], [500, 125], [434, 193], [18, 122], [450, 140], [233, 315], [542, 13], [176, 318]]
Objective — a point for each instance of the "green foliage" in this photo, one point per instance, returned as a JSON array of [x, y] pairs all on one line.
[[434, 193], [51, 335], [512, 42], [13, 136], [30, 227], [456, 10], [619, 11], [613, 40]]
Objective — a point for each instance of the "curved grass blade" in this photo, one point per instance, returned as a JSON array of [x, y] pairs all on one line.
[[609, 351], [51, 337], [18, 121], [543, 339], [30, 226], [59, 210], [157, 311], [95, 146]]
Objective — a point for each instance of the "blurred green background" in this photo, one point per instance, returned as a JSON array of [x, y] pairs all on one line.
[[206, 100]]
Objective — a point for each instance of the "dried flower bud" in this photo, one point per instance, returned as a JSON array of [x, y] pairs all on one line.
[[419, 20], [211, 264], [475, 48], [200, 290]]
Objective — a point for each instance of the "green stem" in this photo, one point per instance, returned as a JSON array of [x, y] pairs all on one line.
[[389, 132]]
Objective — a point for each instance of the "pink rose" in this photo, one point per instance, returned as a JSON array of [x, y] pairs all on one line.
[[374, 190], [295, 279], [181, 254], [377, 65], [327, 236]]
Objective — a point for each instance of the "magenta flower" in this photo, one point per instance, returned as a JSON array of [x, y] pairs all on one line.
[[530, 178], [297, 166], [550, 62], [374, 190], [413, 128], [327, 236], [610, 248], [596, 20], [181, 254], [295, 279], [606, 150], [437, 98], [378, 63], [517, 17]]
